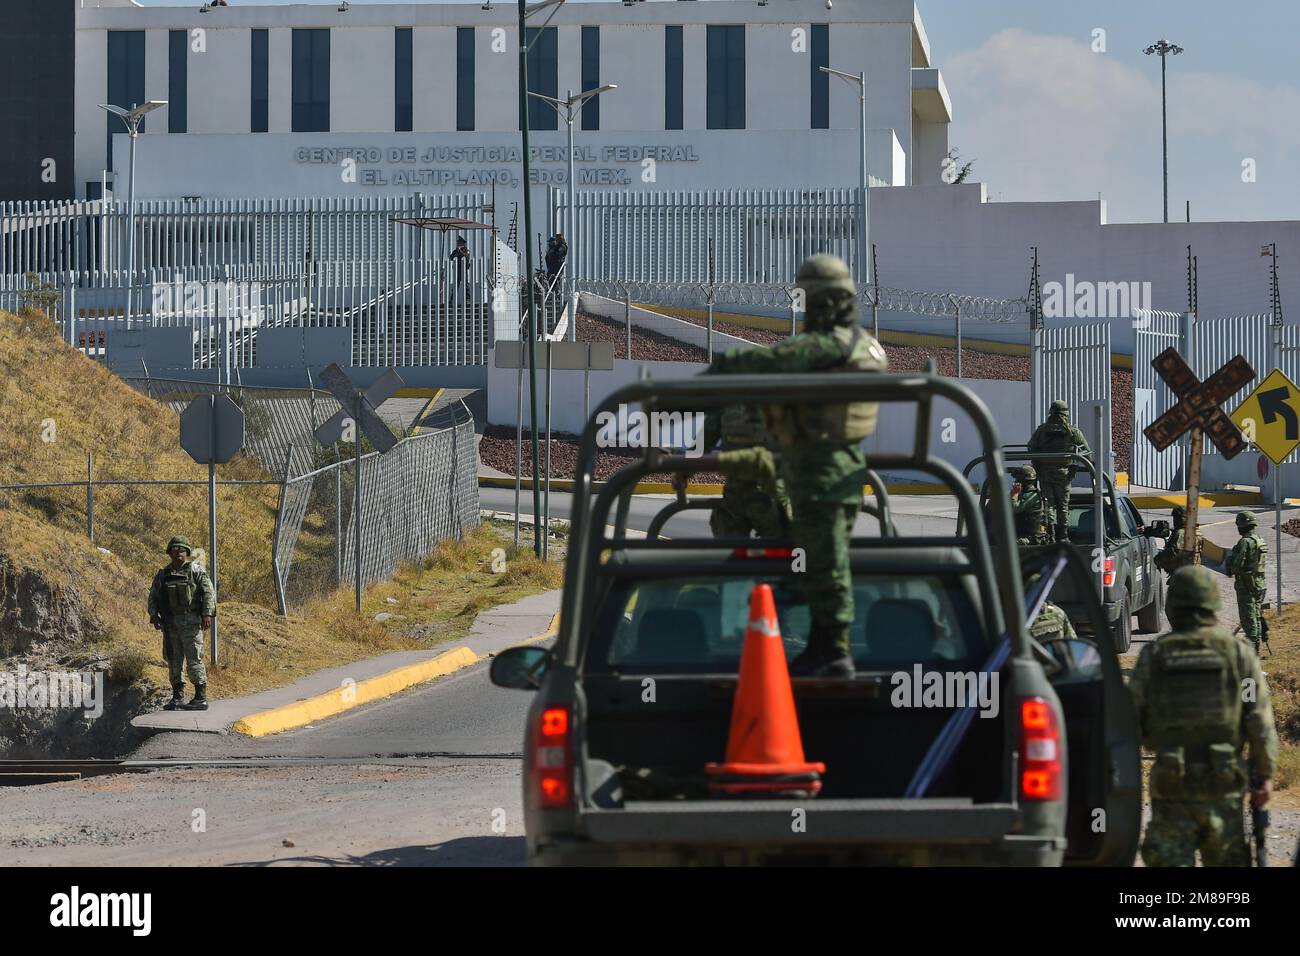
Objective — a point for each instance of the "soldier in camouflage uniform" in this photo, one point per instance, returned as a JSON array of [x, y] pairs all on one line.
[[1057, 436], [182, 603], [1245, 565], [822, 459], [753, 497], [1200, 696], [1171, 556], [1027, 508]]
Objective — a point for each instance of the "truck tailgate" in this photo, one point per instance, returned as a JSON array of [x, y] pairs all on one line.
[[747, 822]]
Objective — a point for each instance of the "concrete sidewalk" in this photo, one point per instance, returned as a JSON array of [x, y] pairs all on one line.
[[493, 631]]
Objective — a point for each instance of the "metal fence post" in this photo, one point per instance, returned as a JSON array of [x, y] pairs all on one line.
[[90, 496], [627, 319], [338, 517], [957, 308], [275, 538]]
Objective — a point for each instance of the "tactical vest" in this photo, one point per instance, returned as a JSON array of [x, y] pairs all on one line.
[[841, 424], [1028, 514], [1056, 438], [180, 591], [1249, 574], [1193, 713], [742, 426]]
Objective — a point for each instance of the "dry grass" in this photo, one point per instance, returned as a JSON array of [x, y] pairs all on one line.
[[132, 436], [1283, 668]]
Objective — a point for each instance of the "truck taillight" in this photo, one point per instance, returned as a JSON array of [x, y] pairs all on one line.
[[1040, 750], [763, 553], [1108, 572], [552, 759]]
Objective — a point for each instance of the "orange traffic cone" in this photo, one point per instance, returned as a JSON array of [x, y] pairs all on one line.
[[764, 749]]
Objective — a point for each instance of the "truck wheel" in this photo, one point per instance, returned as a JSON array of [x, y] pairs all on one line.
[[1149, 618], [1122, 630]]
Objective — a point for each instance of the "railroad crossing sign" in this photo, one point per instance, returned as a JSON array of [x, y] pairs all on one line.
[[1270, 416], [1198, 407], [212, 429], [1197, 413], [359, 407]]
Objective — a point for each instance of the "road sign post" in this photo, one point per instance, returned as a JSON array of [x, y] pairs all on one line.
[[212, 432], [1270, 417], [1197, 414], [358, 409]]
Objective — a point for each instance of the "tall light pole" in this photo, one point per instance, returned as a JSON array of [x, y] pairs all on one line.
[[569, 109], [525, 11], [132, 119], [1164, 50], [864, 260]]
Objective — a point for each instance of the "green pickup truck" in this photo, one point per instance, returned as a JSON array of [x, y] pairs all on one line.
[[636, 695]]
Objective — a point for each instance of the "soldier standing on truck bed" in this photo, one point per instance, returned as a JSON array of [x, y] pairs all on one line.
[[1027, 508], [754, 499], [1245, 565], [1058, 437], [182, 602], [1200, 696], [822, 459]]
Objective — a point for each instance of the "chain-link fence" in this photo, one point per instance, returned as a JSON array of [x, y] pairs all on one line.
[[285, 532], [424, 490]]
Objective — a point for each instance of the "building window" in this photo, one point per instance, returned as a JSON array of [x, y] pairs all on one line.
[[125, 78], [403, 68], [178, 81], [464, 78], [821, 82], [260, 121], [673, 69], [311, 81], [591, 75], [543, 77], [726, 77]]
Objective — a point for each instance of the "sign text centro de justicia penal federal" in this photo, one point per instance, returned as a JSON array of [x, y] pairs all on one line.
[[605, 165]]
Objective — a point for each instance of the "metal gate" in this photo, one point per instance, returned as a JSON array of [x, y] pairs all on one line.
[[1149, 468], [1070, 362]]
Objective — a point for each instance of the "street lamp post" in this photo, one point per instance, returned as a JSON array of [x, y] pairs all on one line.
[[525, 11], [569, 108], [864, 261], [1164, 50], [132, 119]]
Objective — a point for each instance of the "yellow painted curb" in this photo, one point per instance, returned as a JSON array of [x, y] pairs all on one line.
[[417, 393], [665, 488], [552, 629], [1213, 499], [303, 712]]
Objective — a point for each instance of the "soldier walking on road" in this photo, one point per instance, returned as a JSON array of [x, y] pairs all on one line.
[[1200, 696], [1058, 437], [182, 603], [1245, 565], [821, 452]]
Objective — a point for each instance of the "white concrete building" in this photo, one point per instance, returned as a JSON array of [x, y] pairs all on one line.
[[270, 100]]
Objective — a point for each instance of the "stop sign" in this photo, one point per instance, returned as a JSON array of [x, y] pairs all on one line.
[[212, 429]]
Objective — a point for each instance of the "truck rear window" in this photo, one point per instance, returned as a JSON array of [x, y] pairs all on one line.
[[697, 624]]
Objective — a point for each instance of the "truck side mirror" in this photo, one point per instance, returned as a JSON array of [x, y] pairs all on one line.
[[520, 668]]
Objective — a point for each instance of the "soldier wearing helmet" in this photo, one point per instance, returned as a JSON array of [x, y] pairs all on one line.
[[1172, 556], [1200, 697], [1057, 436], [1027, 508], [182, 602], [1245, 565], [822, 460]]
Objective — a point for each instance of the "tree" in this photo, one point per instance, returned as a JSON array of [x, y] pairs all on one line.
[[954, 171]]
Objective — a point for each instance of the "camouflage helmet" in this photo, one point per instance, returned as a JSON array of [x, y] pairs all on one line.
[[180, 541], [828, 287], [1246, 521], [1060, 407], [1193, 588], [1178, 512], [1024, 473]]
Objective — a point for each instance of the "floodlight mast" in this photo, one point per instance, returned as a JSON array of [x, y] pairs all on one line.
[[132, 119]]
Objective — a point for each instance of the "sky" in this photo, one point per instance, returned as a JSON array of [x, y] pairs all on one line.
[[1046, 117]]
